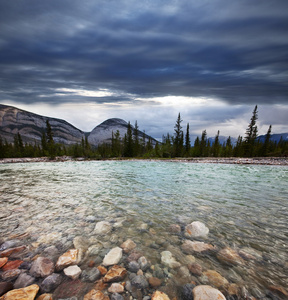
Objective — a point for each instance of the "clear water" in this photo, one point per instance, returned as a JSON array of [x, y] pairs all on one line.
[[243, 206]]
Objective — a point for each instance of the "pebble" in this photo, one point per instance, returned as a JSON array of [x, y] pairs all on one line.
[[73, 272], [113, 257], [143, 262], [116, 288], [103, 228], [51, 282], [168, 260], [95, 295], [3, 261], [91, 275], [116, 273], [196, 230], [42, 267], [140, 282], [191, 247], [230, 257], [28, 293], [158, 295], [71, 257], [11, 265], [116, 296], [206, 292], [128, 245], [215, 279], [154, 282], [23, 280]]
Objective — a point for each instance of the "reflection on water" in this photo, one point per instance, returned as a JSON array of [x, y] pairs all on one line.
[[243, 206]]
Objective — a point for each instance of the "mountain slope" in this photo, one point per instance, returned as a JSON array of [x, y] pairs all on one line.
[[103, 132], [31, 127]]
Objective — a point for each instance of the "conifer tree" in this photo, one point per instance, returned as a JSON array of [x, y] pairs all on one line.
[[136, 139], [187, 141], [216, 145], [50, 141], [178, 137], [251, 134], [128, 142], [203, 143], [266, 145]]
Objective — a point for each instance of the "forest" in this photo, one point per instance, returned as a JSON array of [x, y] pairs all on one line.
[[133, 145]]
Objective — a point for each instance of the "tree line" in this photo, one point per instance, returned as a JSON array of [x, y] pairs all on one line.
[[136, 144]]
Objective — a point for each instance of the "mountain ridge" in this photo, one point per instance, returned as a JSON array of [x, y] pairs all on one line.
[[31, 127]]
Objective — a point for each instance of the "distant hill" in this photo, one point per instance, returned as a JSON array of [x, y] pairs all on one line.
[[103, 132], [31, 127], [274, 137]]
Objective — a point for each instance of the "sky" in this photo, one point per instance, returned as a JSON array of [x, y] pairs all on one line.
[[90, 60]]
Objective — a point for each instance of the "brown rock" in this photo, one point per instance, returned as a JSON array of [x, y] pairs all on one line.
[[102, 270], [100, 285], [134, 256], [95, 295], [116, 273], [195, 269], [11, 265], [128, 245], [116, 288], [3, 261], [233, 289], [45, 297], [71, 257], [27, 293], [42, 267], [10, 274], [174, 228], [12, 251], [5, 287], [206, 292], [279, 290], [229, 256], [191, 247], [160, 296], [215, 279], [154, 281]]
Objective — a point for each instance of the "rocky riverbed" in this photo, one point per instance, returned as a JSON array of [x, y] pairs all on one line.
[[107, 266], [281, 161]]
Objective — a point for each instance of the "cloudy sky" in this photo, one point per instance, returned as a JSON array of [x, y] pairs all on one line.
[[86, 61]]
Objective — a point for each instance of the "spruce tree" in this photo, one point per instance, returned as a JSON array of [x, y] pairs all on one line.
[[203, 143], [178, 137], [216, 145], [128, 142], [187, 141], [251, 134], [266, 145]]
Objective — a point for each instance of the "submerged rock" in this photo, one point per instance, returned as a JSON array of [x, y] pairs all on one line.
[[196, 230], [90, 275], [42, 267], [143, 262], [128, 245], [116, 273], [51, 282], [215, 279], [72, 272], [71, 257], [95, 295], [23, 280], [11, 265], [206, 292], [28, 293], [140, 282], [230, 256], [168, 260], [112, 257], [191, 247], [158, 295], [102, 228]]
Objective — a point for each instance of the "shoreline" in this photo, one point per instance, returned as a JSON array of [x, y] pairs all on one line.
[[272, 161]]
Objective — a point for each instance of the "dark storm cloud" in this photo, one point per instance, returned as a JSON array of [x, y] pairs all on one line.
[[235, 51]]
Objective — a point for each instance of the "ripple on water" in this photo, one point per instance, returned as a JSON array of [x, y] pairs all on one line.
[[245, 207]]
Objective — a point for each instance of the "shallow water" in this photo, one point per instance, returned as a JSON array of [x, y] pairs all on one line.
[[243, 206]]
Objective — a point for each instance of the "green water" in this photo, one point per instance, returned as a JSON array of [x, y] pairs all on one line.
[[243, 206]]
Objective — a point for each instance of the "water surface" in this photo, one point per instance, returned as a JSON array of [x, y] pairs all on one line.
[[243, 206]]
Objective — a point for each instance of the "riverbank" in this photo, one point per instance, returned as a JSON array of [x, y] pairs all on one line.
[[281, 161]]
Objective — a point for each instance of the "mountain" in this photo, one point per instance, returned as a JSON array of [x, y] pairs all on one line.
[[222, 140], [31, 127], [274, 137], [103, 132]]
